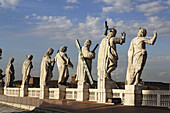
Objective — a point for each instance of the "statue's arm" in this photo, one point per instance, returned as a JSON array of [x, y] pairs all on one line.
[[130, 53], [68, 62], [152, 40], [87, 53], [120, 40]]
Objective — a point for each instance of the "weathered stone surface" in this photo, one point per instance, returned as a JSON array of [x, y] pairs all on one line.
[[107, 62], [63, 62], [9, 73], [46, 68], [137, 56], [133, 95], [88, 56], [26, 70]]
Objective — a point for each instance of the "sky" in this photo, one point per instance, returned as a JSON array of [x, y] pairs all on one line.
[[33, 26]]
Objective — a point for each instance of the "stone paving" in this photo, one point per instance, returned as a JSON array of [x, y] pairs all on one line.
[[9, 109]]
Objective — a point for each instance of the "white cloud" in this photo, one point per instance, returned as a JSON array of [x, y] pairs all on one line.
[[151, 8], [159, 59], [93, 28], [26, 16], [34, 14], [9, 3], [71, 1], [161, 74], [68, 7], [48, 22], [117, 6], [152, 23], [168, 2]]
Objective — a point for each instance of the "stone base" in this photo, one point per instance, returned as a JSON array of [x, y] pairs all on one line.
[[44, 92], [24, 91], [105, 90], [83, 92], [133, 95], [1, 91], [104, 95], [62, 91]]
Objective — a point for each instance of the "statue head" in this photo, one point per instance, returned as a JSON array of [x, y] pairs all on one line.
[[50, 51], [87, 43], [11, 60], [112, 32], [63, 49], [142, 32], [30, 57]]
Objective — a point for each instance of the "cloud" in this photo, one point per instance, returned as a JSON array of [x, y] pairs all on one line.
[[161, 74], [168, 2], [117, 74], [26, 16], [159, 59], [34, 14], [51, 22], [119, 6], [9, 3], [71, 1], [152, 23], [151, 8], [68, 7], [60, 27], [91, 29]]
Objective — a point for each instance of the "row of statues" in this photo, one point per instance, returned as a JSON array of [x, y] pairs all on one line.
[[107, 61]]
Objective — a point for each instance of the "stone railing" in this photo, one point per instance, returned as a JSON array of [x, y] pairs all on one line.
[[33, 92], [119, 93], [92, 94], [12, 91], [53, 93], [71, 93], [156, 98], [149, 97]]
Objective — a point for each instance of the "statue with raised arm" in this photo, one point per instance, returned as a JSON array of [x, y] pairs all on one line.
[[26, 70], [46, 68], [9, 73], [137, 56], [63, 62], [88, 56], [107, 55]]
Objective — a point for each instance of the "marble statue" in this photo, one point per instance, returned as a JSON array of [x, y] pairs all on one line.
[[63, 62], [9, 74], [1, 75], [107, 54], [26, 70], [1, 78], [137, 56], [46, 68], [88, 56]]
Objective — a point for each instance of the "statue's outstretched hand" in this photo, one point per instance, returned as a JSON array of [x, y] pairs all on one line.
[[155, 33], [123, 34]]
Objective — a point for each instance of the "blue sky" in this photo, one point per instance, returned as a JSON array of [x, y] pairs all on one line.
[[33, 26]]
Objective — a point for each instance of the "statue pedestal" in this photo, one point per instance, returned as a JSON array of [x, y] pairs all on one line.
[[5, 88], [1, 90], [62, 91], [133, 95], [105, 87], [24, 91], [82, 92], [44, 92], [1, 87]]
